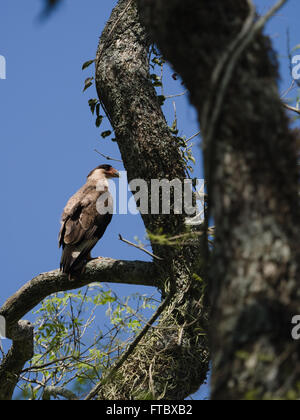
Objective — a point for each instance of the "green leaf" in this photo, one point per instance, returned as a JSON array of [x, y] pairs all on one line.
[[87, 64], [99, 120], [174, 125], [93, 103], [161, 100], [174, 131], [106, 134], [98, 109], [88, 82]]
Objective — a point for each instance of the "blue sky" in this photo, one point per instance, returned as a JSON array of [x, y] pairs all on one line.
[[48, 135]]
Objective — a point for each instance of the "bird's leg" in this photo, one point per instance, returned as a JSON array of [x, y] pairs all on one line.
[[90, 258]]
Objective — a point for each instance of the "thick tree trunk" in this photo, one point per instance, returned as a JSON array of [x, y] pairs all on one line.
[[13, 363], [172, 360], [251, 166]]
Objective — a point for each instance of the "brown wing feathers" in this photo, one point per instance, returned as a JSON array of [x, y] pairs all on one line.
[[80, 233], [82, 227]]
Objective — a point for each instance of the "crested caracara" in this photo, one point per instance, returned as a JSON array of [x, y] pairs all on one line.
[[85, 219]]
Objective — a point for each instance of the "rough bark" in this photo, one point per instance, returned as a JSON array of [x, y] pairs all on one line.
[[172, 360], [251, 166]]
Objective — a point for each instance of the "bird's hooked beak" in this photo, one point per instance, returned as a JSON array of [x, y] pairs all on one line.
[[113, 173]]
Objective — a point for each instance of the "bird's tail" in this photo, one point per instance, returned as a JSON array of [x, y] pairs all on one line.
[[73, 262]]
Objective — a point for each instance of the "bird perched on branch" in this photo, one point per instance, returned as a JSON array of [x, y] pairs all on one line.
[[85, 219]]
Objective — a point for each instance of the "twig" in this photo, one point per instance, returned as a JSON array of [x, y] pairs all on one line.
[[286, 92], [195, 135], [107, 157], [40, 367], [181, 334], [151, 382], [58, 391], [175, 115], [177, 95], [140, 248], [161, 78], [291, 108], [131, 348]]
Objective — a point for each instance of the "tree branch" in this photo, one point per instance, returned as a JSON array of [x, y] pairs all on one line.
[[108, 157], [13, 363], [292, 108], [53, 391], [140, 248], [104, 270]]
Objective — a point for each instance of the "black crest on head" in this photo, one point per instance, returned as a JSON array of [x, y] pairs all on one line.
[[105, 167]]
